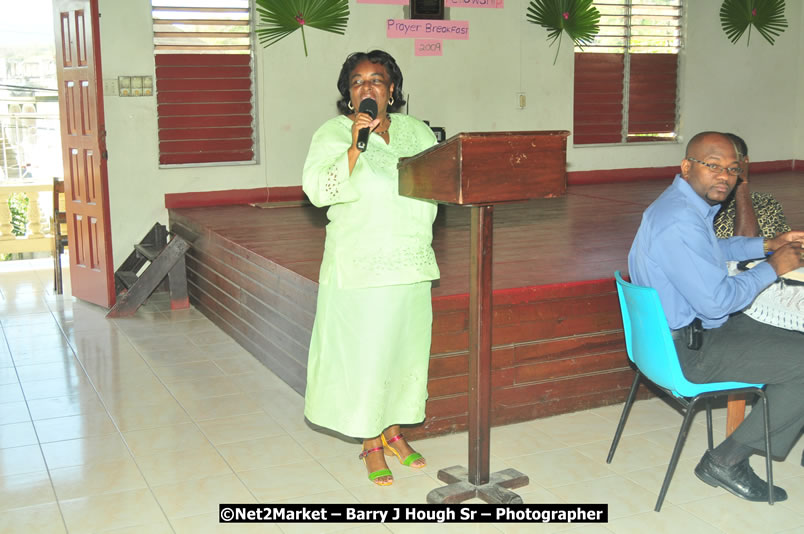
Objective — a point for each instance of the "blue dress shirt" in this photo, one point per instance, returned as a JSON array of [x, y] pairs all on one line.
[[676, 252]]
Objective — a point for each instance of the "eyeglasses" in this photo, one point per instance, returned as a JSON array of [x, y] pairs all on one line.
[[719, 169]]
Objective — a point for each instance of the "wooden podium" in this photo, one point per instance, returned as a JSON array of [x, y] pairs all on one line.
[[479, 170]]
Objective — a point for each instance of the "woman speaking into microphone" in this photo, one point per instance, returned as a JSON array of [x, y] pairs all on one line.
[[370, 348]]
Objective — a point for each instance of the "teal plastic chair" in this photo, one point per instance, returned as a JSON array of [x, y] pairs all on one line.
[[650, 348]]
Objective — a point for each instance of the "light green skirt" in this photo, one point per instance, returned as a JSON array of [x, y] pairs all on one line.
[[369, 354]]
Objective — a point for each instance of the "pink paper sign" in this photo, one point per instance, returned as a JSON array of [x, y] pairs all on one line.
[[494, 4], [428, 47], [427, 29], [394, 2]]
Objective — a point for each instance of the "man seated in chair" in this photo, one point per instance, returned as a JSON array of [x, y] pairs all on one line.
[[676, 252]]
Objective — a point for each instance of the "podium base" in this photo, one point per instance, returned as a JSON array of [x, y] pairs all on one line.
[[459, 489]]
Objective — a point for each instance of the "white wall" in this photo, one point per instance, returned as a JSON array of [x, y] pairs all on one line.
[[799, 105], [749, 90], [755, 91]]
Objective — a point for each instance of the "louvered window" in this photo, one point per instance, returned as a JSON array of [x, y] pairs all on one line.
[[204, 81], [626, 81]]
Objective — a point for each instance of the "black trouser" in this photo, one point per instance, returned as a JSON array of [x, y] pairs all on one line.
[[745, 350]]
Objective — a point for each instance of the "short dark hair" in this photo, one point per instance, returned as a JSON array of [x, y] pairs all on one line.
[[739, 144], [375, 56]]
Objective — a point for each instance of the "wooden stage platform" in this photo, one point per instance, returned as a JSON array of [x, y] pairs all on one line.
[[557, 333]]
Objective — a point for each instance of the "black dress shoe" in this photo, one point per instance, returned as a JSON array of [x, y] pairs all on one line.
[[738, 479]]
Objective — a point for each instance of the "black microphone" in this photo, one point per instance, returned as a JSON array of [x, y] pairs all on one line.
[[368, 106]]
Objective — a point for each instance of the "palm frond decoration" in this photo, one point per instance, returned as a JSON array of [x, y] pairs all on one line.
[[767, 16], [280, 18], [579, 19]]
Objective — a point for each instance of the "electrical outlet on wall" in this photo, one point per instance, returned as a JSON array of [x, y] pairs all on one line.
[[136, 86], [147, 86], [124, 85], [110, 87], [521, 100]]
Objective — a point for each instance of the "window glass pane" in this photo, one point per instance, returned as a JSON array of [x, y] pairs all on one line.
[[613, 28], [637, 26], [198, 26], [217, 5]]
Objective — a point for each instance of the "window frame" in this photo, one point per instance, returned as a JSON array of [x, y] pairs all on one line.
[[182, 50], [626, 137]]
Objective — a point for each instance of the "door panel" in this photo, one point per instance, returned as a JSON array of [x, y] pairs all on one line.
[[83, 143]]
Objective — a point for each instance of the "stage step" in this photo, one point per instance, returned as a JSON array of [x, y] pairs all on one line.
[[148, 251], [166, 267], [156, 238], [127, 278]]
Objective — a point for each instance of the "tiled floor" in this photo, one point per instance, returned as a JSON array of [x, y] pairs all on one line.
[[144, 425]]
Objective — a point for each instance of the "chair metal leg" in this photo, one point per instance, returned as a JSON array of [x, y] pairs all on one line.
[[768, 459], [709, 424], [56, 271], [58, 284], [628, 402], [682, 437]]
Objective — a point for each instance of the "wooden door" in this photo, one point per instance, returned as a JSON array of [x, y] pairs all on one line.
[[84, 150]]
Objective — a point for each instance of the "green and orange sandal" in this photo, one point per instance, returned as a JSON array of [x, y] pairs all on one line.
[[380, 472], [412, 457]]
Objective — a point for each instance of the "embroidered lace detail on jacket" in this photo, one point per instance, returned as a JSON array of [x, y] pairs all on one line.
[[419, 257], [332, 185], [407, 138]]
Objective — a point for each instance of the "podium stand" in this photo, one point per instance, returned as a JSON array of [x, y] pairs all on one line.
[[480, 170]]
